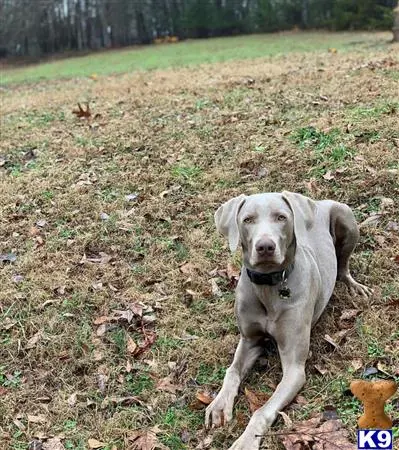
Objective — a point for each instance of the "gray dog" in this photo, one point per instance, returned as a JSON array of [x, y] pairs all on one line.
[[294, 249]]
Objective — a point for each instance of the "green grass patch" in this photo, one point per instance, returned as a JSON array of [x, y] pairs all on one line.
[[202, 51]]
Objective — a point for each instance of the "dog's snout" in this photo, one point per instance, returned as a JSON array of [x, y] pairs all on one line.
[[265, 247]]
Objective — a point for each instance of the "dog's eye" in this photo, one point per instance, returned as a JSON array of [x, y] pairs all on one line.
[[281, 218], [249, 219]]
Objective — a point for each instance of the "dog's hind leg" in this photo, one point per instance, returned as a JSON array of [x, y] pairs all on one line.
[[345, 232]]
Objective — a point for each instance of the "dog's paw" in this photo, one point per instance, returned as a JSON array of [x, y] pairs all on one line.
[[244, 442], [356, 288], [220, 411]]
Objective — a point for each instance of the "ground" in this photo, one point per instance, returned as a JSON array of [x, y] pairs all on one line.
[[115, 213]]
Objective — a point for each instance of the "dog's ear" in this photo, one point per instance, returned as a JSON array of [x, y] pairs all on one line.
[[303, 209], [226, 220]]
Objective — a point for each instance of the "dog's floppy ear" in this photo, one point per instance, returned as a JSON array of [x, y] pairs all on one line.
[[303, 209], [226, 220]]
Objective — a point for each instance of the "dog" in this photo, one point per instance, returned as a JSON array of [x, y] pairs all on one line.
[[294, 250]]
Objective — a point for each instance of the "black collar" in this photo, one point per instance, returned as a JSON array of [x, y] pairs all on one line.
[[270, 279]]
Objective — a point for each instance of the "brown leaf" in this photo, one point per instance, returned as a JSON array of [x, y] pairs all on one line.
[[145, 440], [187, 268], [72, 399], [81, 112], [300, 400], [3, 391], [233, 272], [53, 444], [320, 369], [136, 309], [215, 288], [204, 397], [39, 418], [328, 176], [131, 346], [329, 435], [287, 419], [371, 221], [255, 399], [94, 443], [34, 231], [357, 364], [348, 314], [165, 384], [101, 319], [33, 340], [102, 329]]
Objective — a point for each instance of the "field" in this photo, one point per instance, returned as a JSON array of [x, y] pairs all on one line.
[[116, 305]]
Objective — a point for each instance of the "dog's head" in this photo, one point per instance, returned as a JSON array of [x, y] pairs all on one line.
[[267, 226]]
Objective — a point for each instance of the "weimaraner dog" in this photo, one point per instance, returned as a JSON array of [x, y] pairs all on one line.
[[294, 249]]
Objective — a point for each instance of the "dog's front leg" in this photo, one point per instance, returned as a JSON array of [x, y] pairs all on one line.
[[220, 411], [293, 345]]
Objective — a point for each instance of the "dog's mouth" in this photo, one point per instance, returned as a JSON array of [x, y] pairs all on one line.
[[266, 263]]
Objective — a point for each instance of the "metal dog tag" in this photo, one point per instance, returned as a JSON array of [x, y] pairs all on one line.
[[284, 292]]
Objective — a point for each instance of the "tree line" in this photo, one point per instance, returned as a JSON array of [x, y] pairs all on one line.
[[38, 27]]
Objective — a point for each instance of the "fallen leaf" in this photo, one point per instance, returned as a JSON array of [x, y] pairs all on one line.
[[123, 315], [8, 257], [330, 435], [41, 223], [36, 444], [19, 424], [53, 444], [371, 221], [131, 346], [349, 314], [328, 176], [320, 369], [102, 329], [102, 379], [131, 197], [122, 401], [233, 272], [287, 419], [205, 443], [80, 112], [392, 226], [145, 440], [3, 391], [204, 397], [357, 364], [34, 231], [39, 418], [101, 319], [166, 384], [301, 400], [136, 309], [17, 278], [216, 291], [187, 268], [368, 371], [94, 443], [33, 340], [330, 413], [72, 399], [331, 341], [255, 399]]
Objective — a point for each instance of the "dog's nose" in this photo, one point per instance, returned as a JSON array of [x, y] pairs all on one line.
[[265, 247]]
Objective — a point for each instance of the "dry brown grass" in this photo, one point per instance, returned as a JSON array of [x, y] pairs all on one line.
[[184, 141]]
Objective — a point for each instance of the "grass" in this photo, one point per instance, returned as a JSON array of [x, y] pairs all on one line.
[[183, 141], [187, 53]]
